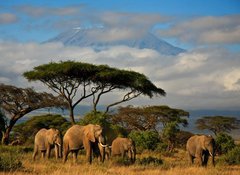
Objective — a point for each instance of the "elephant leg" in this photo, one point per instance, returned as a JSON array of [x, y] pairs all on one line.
[[48, 151], [75, 153], [56, 151], [65, 155], [43, 154], [35, 152], [205, 159], [89, 155], [190, 157]]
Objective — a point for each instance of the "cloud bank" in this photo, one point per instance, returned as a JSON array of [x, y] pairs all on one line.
[[201, 78]]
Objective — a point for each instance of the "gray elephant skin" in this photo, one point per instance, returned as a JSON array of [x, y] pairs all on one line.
[[123, 146], [201, 147], [88, 137], [45, 140]]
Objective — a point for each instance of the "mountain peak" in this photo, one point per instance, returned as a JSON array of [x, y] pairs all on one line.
[[88, 38]]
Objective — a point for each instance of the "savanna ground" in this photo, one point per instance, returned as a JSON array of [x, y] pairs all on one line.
[[173, 164]]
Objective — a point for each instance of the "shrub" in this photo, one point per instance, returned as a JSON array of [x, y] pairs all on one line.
[[161, 147], [145, 139], [10, 158], [232, 157], [149, 161], [224, 143]]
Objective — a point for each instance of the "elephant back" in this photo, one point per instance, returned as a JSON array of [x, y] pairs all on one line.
[[73, 137]]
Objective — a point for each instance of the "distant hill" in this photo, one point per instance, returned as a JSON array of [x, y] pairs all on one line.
[[83, 38]]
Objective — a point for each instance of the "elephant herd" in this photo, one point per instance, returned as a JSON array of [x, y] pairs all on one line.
[[78, 137], [90, 138]]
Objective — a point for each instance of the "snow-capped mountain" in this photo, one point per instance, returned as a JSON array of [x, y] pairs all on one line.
[[83, 38]]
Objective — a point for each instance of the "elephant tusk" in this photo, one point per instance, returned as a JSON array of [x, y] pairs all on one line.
[[104, 146], [58, 144], [210, 153]]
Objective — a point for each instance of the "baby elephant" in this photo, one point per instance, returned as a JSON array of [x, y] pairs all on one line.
[[45, 140], [201, 147], [121, 146]]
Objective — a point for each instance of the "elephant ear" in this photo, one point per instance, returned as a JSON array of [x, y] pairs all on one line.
[[89, 133]]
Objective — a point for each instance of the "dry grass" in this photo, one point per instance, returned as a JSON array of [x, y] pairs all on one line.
[[174, 165]]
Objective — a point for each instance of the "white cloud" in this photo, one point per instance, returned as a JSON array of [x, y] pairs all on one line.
[[206, 30], [202, 78], [232, 80], [40, 11], [7, 18]]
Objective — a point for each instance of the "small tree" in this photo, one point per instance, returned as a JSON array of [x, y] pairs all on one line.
[[17, 102], [224, 143], [169, 134], [149, 118], [218, 124], [145, 139]]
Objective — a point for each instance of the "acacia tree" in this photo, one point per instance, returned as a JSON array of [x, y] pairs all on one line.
[[132, 83], [218, 124], [17, 102], [76, 81], [149, 118]]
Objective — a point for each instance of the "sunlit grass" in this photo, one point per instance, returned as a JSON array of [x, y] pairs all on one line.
[[172, 165]]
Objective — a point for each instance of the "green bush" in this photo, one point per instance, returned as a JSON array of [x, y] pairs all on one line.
[[161, 147], [149, 161], [145, 139], [10, 158], [232, 157], [224, 143]]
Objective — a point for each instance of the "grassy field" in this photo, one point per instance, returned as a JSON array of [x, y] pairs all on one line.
[[172, 165]]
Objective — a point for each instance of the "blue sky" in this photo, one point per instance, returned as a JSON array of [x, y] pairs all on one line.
[[206, 76]]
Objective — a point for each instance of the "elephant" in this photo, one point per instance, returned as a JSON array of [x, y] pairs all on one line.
[[88, 137], [121, 146], [44, 141], [200, 147]]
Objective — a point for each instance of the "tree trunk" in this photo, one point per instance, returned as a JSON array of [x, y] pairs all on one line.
[[6, 135], [71, 114]]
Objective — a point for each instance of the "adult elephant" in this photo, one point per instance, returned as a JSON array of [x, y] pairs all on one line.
[[45, 140], [122, 146], [201, 147], [88, 137]]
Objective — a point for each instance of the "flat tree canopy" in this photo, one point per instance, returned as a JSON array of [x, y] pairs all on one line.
[[16, 102], [149, 117], [218, 124], [76, 81]]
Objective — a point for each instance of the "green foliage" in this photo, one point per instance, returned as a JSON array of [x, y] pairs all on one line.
[[10, 158], [145, 139], [224, 143], [218, 124], [161, 147], [67, 77], [150, 161], [149, 117], [27, 130], [232, 157], [169, 134]]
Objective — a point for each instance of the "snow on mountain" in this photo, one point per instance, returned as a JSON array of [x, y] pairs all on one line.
[[83, 38]]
